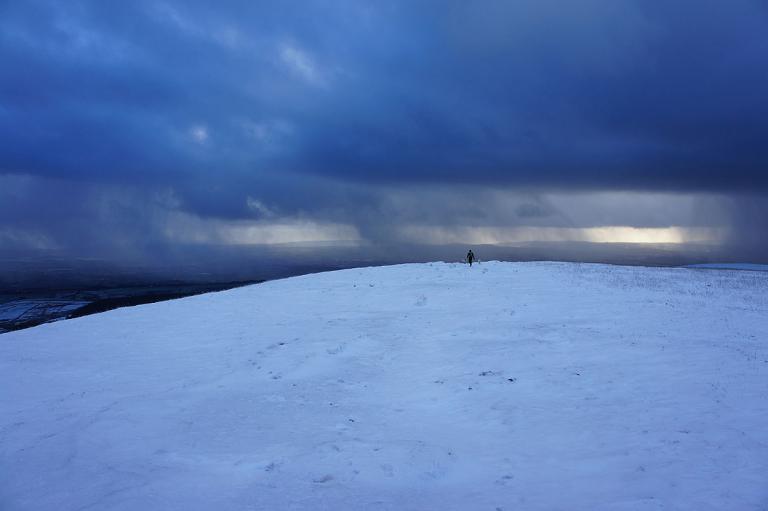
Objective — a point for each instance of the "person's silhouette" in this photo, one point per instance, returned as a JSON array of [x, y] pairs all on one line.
[[470, 257]]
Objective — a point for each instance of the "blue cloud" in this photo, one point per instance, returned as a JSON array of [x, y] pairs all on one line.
[[290, 102]]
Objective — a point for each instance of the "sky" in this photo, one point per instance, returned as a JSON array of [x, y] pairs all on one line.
[[132, 127]]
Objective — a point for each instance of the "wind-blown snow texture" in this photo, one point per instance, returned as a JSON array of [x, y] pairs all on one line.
[[535, 386]]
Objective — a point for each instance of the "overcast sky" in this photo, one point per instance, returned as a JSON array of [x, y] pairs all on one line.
[[128, 125]]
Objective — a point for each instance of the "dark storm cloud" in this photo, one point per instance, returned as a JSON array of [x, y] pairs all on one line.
[[594, 94], [347, 110]]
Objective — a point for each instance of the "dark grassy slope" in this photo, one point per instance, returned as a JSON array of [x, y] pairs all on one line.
[[24, 310]]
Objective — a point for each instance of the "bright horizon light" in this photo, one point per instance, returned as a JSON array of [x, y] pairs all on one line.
[[479, 235]]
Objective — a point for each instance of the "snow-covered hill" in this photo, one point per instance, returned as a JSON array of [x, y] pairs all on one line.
[[513, 386], [731, 266]]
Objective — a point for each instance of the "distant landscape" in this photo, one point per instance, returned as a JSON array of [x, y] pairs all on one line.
[[51, 286], [26, 309]]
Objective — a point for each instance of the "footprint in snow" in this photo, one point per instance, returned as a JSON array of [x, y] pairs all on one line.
[[338, 349]]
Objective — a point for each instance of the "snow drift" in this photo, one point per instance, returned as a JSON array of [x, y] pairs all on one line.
[[510, 386]]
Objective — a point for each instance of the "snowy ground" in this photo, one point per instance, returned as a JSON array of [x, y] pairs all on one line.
[[513, 386], [731, 266]]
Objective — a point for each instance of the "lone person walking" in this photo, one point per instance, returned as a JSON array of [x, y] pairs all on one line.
[[470, 257]]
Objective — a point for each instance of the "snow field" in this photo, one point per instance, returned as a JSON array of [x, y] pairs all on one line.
[[536, 386]]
